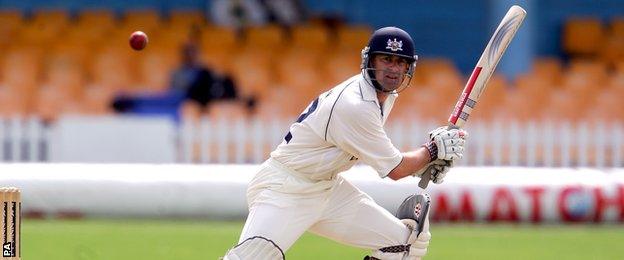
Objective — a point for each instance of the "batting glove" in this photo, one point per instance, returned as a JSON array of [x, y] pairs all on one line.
[[438, 169], [449, 142]]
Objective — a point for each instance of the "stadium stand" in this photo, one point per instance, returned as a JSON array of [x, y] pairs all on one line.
[[64, 61]]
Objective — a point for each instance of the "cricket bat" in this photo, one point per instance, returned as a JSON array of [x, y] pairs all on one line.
[[482, 72]]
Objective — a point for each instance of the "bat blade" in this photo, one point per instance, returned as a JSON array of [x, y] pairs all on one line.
[[482, 72], [486, 65]]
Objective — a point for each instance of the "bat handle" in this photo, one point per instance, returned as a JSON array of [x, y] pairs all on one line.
[[426, 177]]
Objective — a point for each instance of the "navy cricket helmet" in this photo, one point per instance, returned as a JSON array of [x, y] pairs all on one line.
[[390, 41]]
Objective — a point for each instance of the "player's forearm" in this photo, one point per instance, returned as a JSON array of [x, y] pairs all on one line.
[[412, 162]]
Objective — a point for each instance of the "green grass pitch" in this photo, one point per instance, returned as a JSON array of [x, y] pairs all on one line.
[[169, 239]]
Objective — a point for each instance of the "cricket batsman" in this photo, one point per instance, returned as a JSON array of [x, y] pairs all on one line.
[[299, 188]]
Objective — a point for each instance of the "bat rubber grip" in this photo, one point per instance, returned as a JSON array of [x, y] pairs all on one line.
[[424, 179]]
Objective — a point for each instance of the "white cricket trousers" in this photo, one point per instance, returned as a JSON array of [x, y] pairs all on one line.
[[283, 205]]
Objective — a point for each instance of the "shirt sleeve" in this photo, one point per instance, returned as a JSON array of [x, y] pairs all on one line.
[[358, 130]]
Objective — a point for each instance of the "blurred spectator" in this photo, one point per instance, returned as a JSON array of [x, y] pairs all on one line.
[[238, 13], [198, 84], [284, 12], [244, 13], [193, 86]]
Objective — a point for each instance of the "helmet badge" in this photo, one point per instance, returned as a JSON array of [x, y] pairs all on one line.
[[395, 45]]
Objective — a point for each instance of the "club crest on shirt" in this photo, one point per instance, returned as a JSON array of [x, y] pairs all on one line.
[[395, 45]]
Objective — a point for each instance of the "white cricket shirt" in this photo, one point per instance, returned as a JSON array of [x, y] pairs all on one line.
[[341, 127]]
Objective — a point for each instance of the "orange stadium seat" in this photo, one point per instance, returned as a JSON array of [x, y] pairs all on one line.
[[219, 61], [21, 69], [13, 102], [433, 78], [50, 104], [521, 105], [440, 76], [564, 105], [44, 28], [425, 104], [299, 69], [56, 18], [92, 26], [62, 88], [114, 68], [591, 68], [431, 66], [66, 78], [583, 36], [97, 101], [353, 37], [146, 20], [341, 66], [619, 67], [11, 18], [253, 74], [310, 38], [579, 86], [583, 78], [279, 103], [616, 80], [10, 23], [548, 69], [74, 53], [155, 68], [186, 18], [534, 86], [493, 98], [219, 38], [172, 37], [115, 38], [616, 27], [526, 99], [612, 51], [608, 106], [269, 110], [403, 108], [418, 79], [269, 38], [218, 46], [78, 35], [98, 18], [446, 82]]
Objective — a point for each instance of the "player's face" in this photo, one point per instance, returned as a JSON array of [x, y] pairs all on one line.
[[390, 70]]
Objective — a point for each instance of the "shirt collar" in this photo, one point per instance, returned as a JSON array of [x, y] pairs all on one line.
[[369, 93]]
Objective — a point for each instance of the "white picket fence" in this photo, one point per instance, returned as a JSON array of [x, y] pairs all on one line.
[[23, 140], [492, 143], [250, 141]]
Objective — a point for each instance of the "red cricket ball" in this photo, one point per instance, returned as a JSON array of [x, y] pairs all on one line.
[[138, 40]]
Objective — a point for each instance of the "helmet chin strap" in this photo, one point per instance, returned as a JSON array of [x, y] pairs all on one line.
[[371, 80]]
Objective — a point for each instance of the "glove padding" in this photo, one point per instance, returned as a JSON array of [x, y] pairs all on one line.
[[419, 242], [438, 171], [450, 143]]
